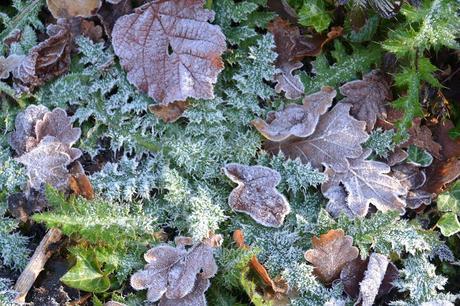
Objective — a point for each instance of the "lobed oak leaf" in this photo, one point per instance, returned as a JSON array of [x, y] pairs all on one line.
[[170, 50], [330, 253], [73, 8], [337, 137], [368, 97], [173, 274], [57, 124], [256, 194], [48, 59], [367, 182], [9, 64], [296, 120], [47, 163]]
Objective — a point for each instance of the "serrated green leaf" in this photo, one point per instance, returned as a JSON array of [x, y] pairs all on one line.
[[448, 224], [419, 157]]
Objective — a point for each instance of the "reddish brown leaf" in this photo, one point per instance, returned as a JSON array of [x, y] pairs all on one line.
[[109, 13], [450, 147], [73, 8], [283, 9], [368, 97], [441, 173], [296, 120], [79, 183], [170, 50], [312, 45], [169, 112], [48, 59], [330, 253], [420, 136]]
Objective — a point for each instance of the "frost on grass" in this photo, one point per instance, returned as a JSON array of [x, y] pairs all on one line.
[[256, 195]]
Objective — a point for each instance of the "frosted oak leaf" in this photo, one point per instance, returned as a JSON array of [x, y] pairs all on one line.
[[368, 182], [337, 137], [59, 125], [177, 275], [170, 50], [256, 194], [330, 253], [296, 120], [73, 8]]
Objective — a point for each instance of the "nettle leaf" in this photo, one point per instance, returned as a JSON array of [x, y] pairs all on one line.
[[368, 97], [367, 182], [73, 8], [337, 137], [330, 253], [174, 274], [256, 195], [296, 120], [170, 50]]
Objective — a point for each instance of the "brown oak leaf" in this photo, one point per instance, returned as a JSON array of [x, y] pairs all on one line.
[[48, 59], [57, 124], [337, 203], [170, 50], [413, 178], [354, 272], [73, 8], [337, 137], [256, 194], [283, 9], [47, 163], [296, 120], [368, 97], [174, 273], [169, 112], [79, 183], [330, 253], [367, 182]]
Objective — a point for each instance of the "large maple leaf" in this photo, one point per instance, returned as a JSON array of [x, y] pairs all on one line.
[[170, 50]]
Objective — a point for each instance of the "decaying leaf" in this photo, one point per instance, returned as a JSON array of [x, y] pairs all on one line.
[[283, 9], [337, 137], [9, 64], [57, 124], [169, 112], [22, 205], [373, 278], [337, 204], [79, 183], [47, 163], [412, 178], [330, 253], [256, 194], [367, 182], [441, 173], [23, 139], [170, 50], [296, 120], [173, 274], [450, 147], [354, 272], [109, 13], [420, 136], [73, 8], [48, 59], [368, 97]]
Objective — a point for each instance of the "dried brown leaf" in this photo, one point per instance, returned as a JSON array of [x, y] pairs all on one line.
[[450, 147], [296, 120], [176, 273], [79, 183], [48, 59], [337, 204], [47, 163], [330, 253], [283, 9], [410, 176], [420, 136], [169, 112], [441, 173], [313, 44], [22, 205], [368, 97], [58, 125], [170, 50], [367, 182], [256, 194], [337, 137], [196, 296], [109, 13], [73, 8]]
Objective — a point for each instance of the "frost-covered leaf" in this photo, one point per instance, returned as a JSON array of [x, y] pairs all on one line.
[[410, 176], [368, 97], [296, 120], [169, 112], [47, 163], [373, 278], [48, 59], [170, 50], [330, 253], [23, 138], [73, 8], [367, 182], [256, 194], [337, 137], [8, 64], [196, 296], [172, 273], [419, 157], [421, 137], [58, 125], [337, 204]]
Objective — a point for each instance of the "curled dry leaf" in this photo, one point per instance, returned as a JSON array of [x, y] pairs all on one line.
[[196, 296], [283, 9], [368, 97], [296, 120], [354, 272], [169, 112], [412, 178], [79, 183], [367, 182], [47, 163], [170, 50], [175, 273], [337, 137], [337, 204], [330, 253], [48, 59], [441, 173], [73, 8], [256, 194]]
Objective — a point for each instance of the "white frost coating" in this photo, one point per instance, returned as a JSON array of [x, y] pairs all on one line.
[[438, 303], [373, 278]]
